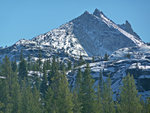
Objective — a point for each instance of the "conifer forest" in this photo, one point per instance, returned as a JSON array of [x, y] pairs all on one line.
[[50, 92]]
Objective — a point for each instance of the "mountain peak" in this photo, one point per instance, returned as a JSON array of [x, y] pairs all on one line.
[[97, 12], [89, 34], [127, 24], [86, 12]]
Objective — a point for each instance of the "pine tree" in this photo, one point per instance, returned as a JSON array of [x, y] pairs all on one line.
[[24, 96], [34, 66], [129, 99], [107, 100], [16, 94], [11, 89], [77, 93], [1, 95], [1, 107], [99, 95], [148, 105], [14, 66], [30, 100], [22, 67], [106, 57], [21, 55], [7, 85], [39, 61], [37, 80], [144, 106], [78, 82], [29, 63], [77, 104], [50, 102], [93, 59], [69, 65], [87, 92], [47, 63], [27, 100], [59, 94], [54, 70], [37, 108], [44, 84], [81, 60], [101, 80], [65, 96]]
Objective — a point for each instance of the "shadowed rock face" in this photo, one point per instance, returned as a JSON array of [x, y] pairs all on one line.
[[98, 36]]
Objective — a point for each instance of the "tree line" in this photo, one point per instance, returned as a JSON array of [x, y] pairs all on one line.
[[50, 92]]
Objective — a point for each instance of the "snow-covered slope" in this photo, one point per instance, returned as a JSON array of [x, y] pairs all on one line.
[[136, 52], [117, 70], [87, 35]]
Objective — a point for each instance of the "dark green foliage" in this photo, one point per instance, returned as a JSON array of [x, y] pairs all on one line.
[[106, 57], [129, 99], [21, 55], [15, 94], [148, 105], [14, 66], [101, 80], [88, 92], [22, 67], [10, 96], [59, 95], [99, 105], [69, 65], [48, 64], [1, 107], [37, 82], [77, 93], [51, 93], [29, 63], [7, 86], [54, 70], [34, 66], [37, 108], [78, 81], [99, 95], [39, 61], [107, 100], [81, 60], [50, 103], [30, 100], [6, 67], [44, 84], [77, 104], [93, 59], [62, 66]]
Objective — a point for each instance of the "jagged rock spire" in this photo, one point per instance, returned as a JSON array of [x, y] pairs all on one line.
[[97, 12]]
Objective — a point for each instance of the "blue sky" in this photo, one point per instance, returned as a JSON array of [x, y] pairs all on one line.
[[29, 18]]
